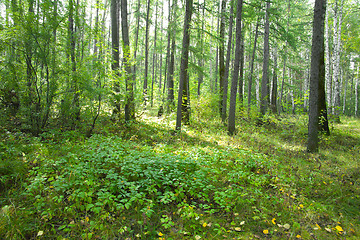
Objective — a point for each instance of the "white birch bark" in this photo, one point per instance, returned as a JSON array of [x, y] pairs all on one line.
[[336, 56], [327, 62]]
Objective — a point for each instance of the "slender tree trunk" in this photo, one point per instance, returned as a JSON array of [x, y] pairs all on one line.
[[317, 79], [345, 80], [264, 99], [183, 105], [75, 87], [241, 77], [252, 64], [284, 64], [221, 56], [273, 105], [171, 67], [336, 59], [145, 87], [328, 78], [235, 75], [154, 57], [136, 41], [227, 64], [129, 100], [115, 65]]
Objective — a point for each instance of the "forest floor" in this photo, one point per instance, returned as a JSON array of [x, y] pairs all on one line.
[[144, 181]]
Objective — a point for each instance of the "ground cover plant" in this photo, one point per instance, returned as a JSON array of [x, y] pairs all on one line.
[[142, 181]]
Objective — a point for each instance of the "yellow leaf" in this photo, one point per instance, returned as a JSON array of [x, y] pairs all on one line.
[[273, 221], [86, 219], [160, 234], [266, 231], [301, 206], [204, 224], [238, 229], [339, 229], [298, 236]]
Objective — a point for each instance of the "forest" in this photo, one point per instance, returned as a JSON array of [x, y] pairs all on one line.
[[179, 119]]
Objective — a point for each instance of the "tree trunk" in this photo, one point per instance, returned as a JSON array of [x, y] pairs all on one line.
[[154, 57], [284, 64], [317, 79], [241, 77], [129, 100], [145, 87], [273, 104], [171, 66], [136, 41], [235, 75], [264, 99], [115, 65], [336, 59], [221, 56], [328, 78], [183, 107], [252, 64], [227, 64]]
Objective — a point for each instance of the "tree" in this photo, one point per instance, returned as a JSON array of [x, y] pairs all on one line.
[[235, 75], [336, 58], [145, 86], [221, 57], [264, 99], [115, 65], [317, 77], [227, 64], [182, 107], [129, 82], [252, 63]]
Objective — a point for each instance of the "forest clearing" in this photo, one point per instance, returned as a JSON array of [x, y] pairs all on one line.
[[191, 119]]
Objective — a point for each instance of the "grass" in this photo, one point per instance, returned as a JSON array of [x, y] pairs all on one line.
[[140, 181]]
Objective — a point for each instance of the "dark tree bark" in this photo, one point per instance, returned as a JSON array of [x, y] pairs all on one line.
[[273, 102], [154, 57], [252, 64], [115, 65], [171, 63], [145, 87], [201, 59], [284, 63], [235, 75], [264, 99], [183, 113], [136, 41], [241, 77], [129, 98], [317, 78], [221, 56], [227, 64]]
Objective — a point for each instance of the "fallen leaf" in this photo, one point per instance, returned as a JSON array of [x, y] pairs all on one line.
[[40, 233], [339, 229], [328, 229], [286, 226], [266, 231], [242, 223]]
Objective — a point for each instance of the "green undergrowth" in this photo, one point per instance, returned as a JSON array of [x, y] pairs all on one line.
[[142, 181]]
